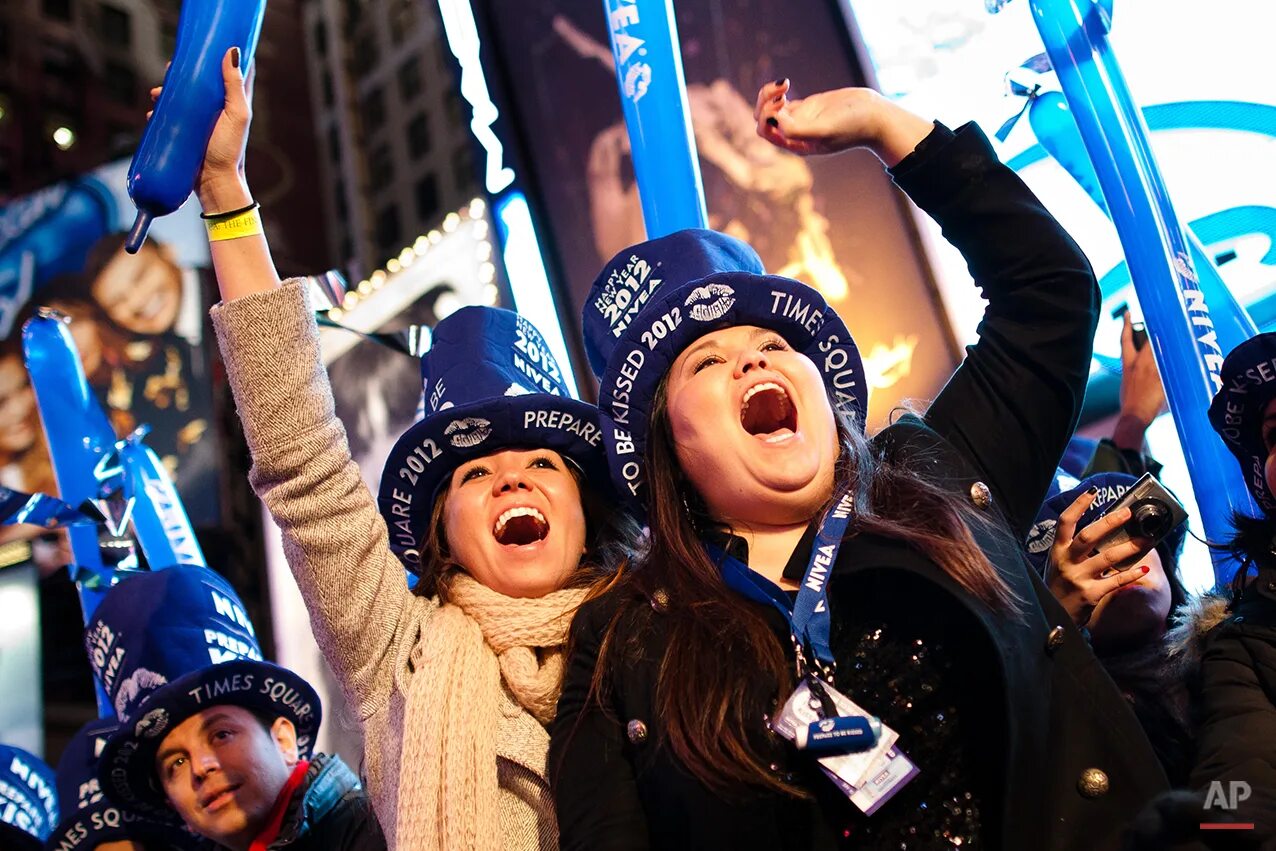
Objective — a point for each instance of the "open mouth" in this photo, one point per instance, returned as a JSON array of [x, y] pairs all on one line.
[[767, 413], [518, 527]]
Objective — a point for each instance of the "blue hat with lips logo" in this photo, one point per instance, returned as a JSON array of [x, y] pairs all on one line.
[[657, 298], [28, 799], [88, 819], [1112, 486], [1249, 384], [489, 383], [168, 644]]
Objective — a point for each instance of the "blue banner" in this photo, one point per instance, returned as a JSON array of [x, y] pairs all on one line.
[[1183, 323], [653, 93]]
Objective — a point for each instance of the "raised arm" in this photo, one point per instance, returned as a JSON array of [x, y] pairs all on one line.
[[334, 538], [1013, 404]]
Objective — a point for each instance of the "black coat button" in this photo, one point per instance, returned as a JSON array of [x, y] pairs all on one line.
[[636, 730]]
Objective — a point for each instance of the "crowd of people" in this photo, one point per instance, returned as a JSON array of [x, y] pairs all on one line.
[[711, 611]]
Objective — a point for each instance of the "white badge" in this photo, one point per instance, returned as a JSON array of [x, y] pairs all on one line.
[[869, 778]]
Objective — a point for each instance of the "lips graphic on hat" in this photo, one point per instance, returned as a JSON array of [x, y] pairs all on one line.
[[710, 302], [655, 299], [468, 433], [166, 645], [491, 384]]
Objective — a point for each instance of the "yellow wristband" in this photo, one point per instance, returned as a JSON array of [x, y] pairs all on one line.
[[245, 224]]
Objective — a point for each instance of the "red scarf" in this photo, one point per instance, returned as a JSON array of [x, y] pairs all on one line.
[[271, 831]]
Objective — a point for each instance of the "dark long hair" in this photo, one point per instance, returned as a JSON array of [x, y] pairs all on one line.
[[1253, 544], [723, 666]]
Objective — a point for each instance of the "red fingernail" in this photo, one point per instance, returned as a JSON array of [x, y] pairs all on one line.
[[1146, 568]]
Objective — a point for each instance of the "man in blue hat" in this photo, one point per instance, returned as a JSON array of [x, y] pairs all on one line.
[[209, 732], [92, 823], [28, 802]]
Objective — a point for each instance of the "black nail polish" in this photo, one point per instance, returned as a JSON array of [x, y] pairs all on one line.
[[1092, 490], [772, 122], [781, 81], [234, 57]]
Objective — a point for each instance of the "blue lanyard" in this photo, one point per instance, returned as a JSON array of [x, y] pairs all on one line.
[[808, 615]]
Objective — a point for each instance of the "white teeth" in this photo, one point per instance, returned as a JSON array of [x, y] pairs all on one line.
[[510, 513], [758, 388]]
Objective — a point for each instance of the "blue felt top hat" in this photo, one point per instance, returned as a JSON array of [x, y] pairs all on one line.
[[1112, 486], [657, 298], [28, 799], [88, 818], [166, 645], [490, 383], [1249, 384]]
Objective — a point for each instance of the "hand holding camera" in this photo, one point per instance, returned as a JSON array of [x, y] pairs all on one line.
[[1077, 576], [1103, 557]]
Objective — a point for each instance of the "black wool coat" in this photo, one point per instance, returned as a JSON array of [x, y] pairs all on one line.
[[1236, 738], [1047, 746]]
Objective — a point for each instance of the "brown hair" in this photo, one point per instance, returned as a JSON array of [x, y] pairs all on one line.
[[723, 666], [610, 538]]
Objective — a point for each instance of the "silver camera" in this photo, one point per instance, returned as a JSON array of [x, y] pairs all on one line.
[[1154, 514]]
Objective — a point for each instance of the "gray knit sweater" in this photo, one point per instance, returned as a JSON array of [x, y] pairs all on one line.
[[364, 618]]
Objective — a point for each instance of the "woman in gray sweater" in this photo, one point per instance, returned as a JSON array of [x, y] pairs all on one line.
[[485, 499]]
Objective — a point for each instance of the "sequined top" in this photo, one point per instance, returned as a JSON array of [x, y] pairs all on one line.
[[906, 654]]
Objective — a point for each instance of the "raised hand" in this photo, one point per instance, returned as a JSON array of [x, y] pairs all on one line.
[[838, 120], [1142, 394], [220, 183]]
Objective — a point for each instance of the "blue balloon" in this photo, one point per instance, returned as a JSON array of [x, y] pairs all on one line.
[[1052, 122], [162, 174], [653, 93], [1186, 314]]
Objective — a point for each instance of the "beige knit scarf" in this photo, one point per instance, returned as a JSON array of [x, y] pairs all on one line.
[[448, 790]]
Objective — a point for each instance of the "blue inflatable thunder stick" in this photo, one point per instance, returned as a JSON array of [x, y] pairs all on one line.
[[123, 479], [1180, 321], [653, 93], [1055, 129], [162, 174]]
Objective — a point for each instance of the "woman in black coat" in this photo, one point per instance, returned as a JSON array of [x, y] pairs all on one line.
[[736, 404], [1236, 738]]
